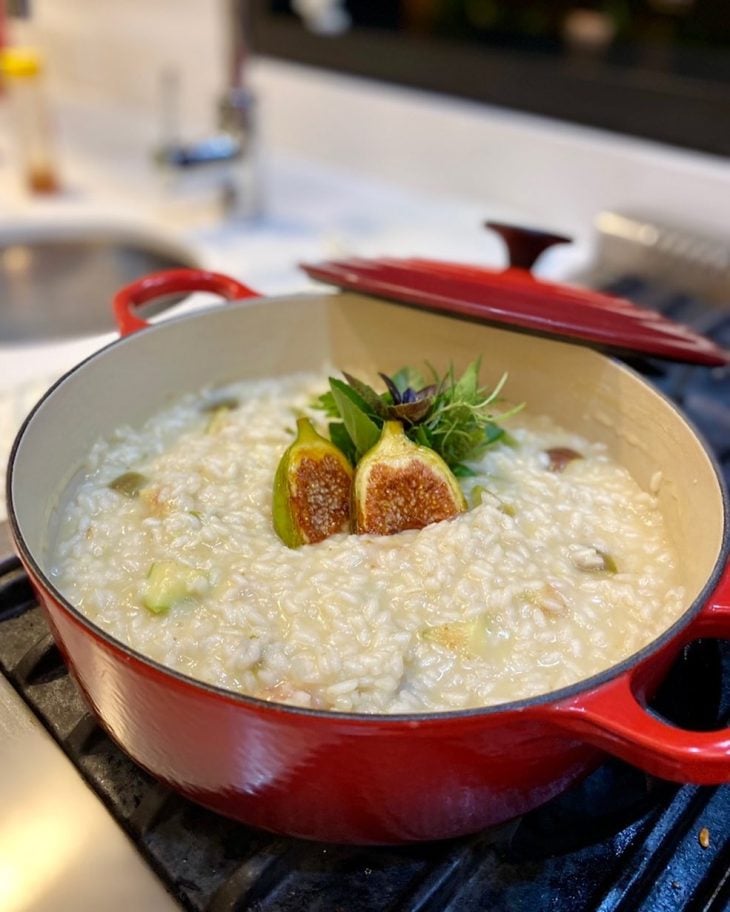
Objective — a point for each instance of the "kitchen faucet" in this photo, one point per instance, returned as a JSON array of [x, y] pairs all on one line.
[[228, 158]]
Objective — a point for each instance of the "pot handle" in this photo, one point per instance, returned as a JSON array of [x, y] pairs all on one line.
[[170, 282], [615, 717]]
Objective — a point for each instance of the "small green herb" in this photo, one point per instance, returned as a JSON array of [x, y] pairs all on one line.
[[461, 423], [326, 403], [452, 415]]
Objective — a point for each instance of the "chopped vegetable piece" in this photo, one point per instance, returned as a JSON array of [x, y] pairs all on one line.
[[400, 485], [225, 402], [559, 457], [549, 600], [168, 582], [609, 563], [312, 489], [465, 637], [477, 496], [591, 560], [217, 420], [129, 484], [155, 501]]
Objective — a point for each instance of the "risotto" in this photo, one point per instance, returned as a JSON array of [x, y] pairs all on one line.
[[548, 578]]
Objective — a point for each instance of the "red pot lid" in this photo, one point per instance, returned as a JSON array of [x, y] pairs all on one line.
[[516, 298]]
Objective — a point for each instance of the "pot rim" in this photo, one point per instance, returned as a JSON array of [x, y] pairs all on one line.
[[394, 719]]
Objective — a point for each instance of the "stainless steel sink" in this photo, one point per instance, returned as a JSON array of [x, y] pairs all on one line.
[[58, 281]]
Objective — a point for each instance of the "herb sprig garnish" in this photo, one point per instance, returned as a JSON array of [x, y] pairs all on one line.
[[452, 415]]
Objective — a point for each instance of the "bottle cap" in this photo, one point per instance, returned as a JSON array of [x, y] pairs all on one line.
[[19, 62]]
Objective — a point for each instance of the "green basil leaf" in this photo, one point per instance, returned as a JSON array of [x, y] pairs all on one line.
[[462, 471], [364, 432], [343, 441], [376, 407]]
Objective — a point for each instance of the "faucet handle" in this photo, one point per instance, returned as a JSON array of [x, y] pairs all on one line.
[[236, 113]]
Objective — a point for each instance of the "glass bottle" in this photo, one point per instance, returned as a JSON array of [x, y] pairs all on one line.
[[22, 69]]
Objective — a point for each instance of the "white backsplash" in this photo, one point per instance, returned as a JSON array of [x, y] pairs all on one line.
[[562, 173], [115, 51]]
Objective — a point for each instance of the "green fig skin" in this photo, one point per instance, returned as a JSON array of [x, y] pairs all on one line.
[[401, 485], [312, 489]]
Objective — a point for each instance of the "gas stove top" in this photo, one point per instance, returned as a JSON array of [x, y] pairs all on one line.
[[620, 841]]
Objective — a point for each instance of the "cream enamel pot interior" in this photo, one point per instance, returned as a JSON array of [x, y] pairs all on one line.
[[357, 778]]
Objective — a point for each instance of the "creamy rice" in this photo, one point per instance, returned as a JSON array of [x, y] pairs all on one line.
[[498, 604]]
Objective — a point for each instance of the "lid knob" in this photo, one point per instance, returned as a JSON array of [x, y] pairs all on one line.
[[525, 245]]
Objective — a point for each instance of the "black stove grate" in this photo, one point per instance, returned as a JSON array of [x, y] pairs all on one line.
[[620, 841]]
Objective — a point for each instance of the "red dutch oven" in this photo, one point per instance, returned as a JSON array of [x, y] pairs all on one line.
[[366, 778]]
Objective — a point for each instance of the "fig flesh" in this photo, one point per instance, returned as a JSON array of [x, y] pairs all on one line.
[[312, 489], [401, 485]]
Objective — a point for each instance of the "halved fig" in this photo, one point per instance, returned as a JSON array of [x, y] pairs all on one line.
[[312, 489], [400, 485]]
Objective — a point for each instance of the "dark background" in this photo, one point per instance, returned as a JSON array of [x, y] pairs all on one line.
[[657, 69]]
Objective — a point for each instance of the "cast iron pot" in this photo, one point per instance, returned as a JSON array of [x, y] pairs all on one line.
[[348, 777]]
